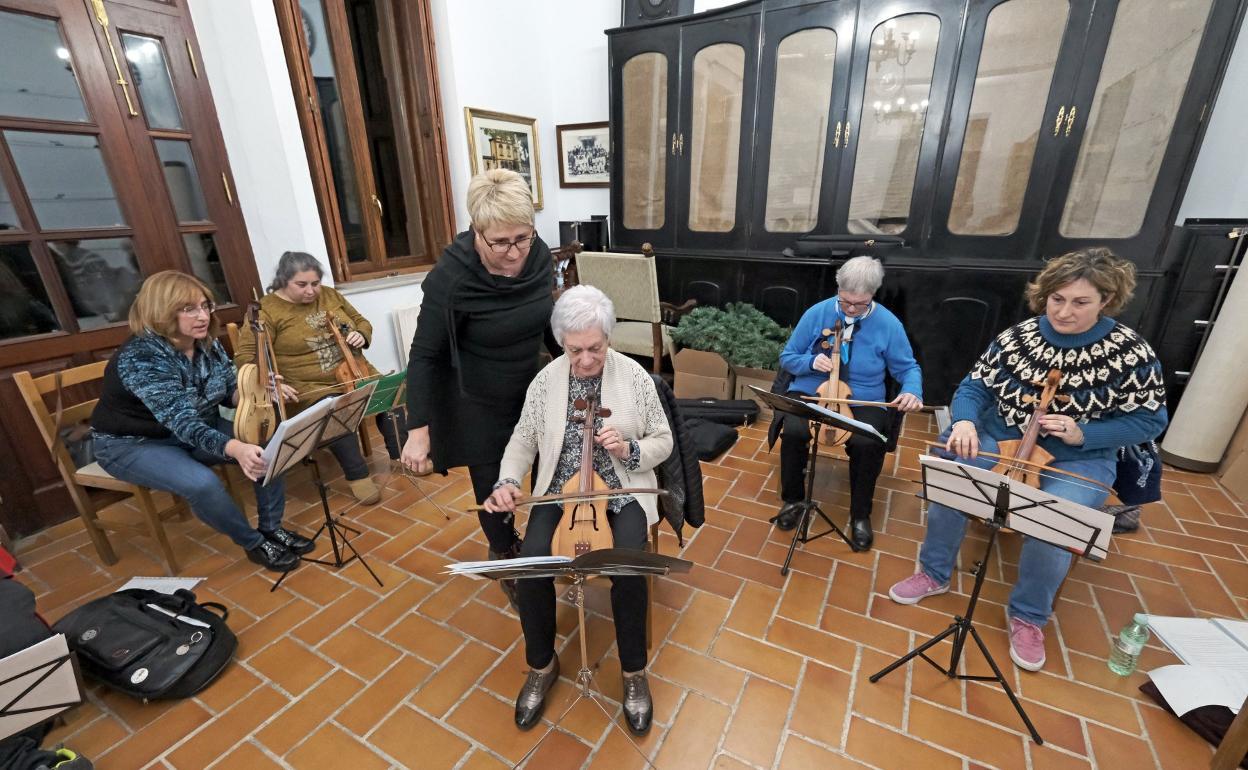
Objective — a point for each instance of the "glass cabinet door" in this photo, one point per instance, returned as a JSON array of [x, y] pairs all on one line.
[[644, 137], [801, 107], [1014, 85], [903, 66], [714, 141], [1135, 124]]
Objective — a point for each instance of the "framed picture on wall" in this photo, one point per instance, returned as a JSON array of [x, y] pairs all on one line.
[[497, 140], [584, 155]]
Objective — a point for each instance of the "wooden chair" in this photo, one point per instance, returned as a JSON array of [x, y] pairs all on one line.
[[632, 283], [91, 487], [564, 263]]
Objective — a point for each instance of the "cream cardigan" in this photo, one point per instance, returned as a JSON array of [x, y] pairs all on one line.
[[636, 413]]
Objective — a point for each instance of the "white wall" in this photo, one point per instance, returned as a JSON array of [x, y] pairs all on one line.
[[1219, 183]]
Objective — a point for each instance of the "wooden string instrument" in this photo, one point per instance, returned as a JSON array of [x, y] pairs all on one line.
[[260, 405], [836, 391], [351, 370], [1022, 459], [583, 527]]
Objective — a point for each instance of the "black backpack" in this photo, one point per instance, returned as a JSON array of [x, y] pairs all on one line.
[[151, 645]]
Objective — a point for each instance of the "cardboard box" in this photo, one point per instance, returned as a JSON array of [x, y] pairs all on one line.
[[702, 374], [1233, 473], [759, 378]]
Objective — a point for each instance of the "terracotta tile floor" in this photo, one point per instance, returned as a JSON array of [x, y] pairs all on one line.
[[749, 670]]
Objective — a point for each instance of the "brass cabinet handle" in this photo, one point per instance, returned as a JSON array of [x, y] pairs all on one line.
[[377, 202], [191, 55], [836, 138], [229, 195], [673, 144], [1057, 126], [681, 144], [101, 16], [847, 125], [1070, 119]]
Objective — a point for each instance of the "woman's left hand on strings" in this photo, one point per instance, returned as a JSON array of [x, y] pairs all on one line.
[[355, 340], [1063, 428], [610, 439]]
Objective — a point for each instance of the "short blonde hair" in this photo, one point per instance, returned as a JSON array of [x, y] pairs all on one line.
[[1113, 277], [155, 309], [499, 197]]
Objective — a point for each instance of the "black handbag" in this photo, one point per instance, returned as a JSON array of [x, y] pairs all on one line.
[[721, 410], [151, 645]]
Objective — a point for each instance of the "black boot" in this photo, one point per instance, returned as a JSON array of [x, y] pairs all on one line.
[[860, 533]]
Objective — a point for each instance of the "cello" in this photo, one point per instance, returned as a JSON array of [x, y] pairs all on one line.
[[350, 370], [583, 528], [260, 405], [1020, 459], [835, 391]]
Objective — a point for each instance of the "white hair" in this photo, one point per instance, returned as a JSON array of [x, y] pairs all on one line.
[[581, 308], [860, 275]]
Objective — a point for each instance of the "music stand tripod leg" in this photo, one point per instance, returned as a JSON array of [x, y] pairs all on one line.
[[801, 533]]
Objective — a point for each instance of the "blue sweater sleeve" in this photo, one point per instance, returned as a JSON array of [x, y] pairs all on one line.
[[970, 400], [153, 376], [1124, 430], [796, 358], [899, 357]]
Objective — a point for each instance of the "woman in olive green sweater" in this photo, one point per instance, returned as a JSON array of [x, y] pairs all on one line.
[[294, 313]]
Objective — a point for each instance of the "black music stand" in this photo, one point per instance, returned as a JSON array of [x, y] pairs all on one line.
[[297, 438], [998, 502], [601, 563], [810, 507]]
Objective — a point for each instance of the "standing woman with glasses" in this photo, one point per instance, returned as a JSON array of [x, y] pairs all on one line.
[[873, 343], [157, 423], [482, 322]]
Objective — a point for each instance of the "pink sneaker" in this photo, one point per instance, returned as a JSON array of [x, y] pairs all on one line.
[[916, 588], [1026, 645]]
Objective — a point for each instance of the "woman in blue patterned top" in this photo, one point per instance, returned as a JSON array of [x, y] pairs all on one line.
[[1116, 398], [157, 423]]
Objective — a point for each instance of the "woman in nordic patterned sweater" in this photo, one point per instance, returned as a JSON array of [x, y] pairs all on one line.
[[1117, 399]]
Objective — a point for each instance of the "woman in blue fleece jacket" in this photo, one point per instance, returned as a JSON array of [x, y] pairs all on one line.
[[1116, 398], [157, 423], [874, 343]]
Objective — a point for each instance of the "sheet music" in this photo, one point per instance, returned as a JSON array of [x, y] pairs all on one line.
[[1238, 629], [294, 423], [1190, 687], [1033, 512], [842, 419], [493, 565], [1200, 642], [165, 585], [50, 697]]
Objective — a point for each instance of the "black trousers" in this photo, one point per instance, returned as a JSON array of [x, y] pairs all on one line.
[[629, 594], [499, 529], [866, 459]]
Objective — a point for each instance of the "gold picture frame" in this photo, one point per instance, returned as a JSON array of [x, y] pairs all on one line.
[[499, 140]]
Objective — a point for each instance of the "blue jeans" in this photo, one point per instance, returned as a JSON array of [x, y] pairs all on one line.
[[1041, 567], [169, 465]]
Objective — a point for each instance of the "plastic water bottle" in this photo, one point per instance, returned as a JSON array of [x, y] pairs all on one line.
[[1124, 651]]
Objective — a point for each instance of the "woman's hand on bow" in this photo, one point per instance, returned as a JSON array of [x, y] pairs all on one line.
[[963, 439], [287, 392], [907, 402], [1063, 428], [503, 499]]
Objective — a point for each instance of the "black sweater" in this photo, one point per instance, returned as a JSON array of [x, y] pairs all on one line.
[[475, 352]]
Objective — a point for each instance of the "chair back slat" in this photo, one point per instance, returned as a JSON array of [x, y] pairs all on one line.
[[630, 280]]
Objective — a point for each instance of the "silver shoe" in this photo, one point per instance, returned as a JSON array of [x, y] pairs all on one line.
[[638, 705], [532, 697]]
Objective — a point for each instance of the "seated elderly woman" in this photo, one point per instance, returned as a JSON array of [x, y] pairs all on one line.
[[631, 441]]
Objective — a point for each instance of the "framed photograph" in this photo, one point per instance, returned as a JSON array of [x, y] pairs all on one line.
[[497, 140], [584, 155]]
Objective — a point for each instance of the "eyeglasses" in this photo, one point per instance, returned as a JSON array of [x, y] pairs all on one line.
[[206, 308], [502, 247], [853, 305]]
